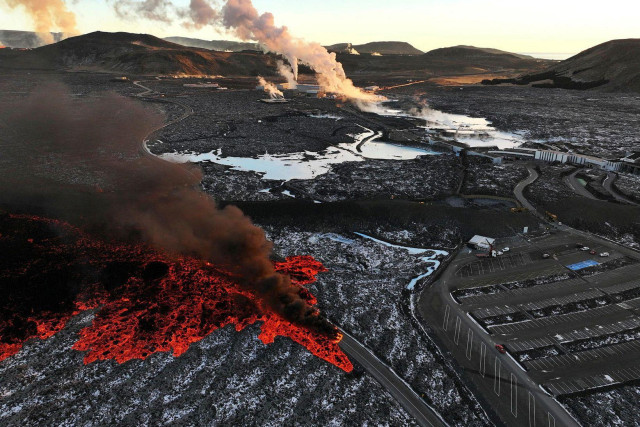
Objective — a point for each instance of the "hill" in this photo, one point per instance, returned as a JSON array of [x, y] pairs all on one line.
[[24, 39], [137, 54], [614, 66], [383, 48], [472, 52], [450, 60], [221, 45]]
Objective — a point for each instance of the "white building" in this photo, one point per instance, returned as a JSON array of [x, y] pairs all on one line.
[[482, 242], [307, 88], [577, 159]]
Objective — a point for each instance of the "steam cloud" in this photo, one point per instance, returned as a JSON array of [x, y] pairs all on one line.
[[200, 13], [47, 15], [242, 19], [156, 10], [270, 88], [286, 72], [83, 160]]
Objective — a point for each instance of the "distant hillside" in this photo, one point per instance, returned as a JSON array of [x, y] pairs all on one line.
[[614, 65], [450, 60], [383, 48], [472, 52], [221, 45], [24, 39], [137, 54]]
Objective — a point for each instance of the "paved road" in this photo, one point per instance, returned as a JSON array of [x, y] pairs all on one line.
[[572, 183], [424, 414], [608, 185], [518, 191]]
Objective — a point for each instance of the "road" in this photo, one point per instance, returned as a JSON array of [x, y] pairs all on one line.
[[572, 183], [424, 414], [518, 191], [608, 185]]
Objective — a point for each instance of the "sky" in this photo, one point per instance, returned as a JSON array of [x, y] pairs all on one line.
[[543, 26]]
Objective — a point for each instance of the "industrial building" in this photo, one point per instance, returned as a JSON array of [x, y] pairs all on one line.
[[554, 156], [577, 159], [631, 163], [482, 242]]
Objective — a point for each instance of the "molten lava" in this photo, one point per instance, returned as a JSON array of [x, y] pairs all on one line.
[[147, 302]]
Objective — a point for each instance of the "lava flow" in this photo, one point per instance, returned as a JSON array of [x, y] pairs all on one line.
[[146, 301]]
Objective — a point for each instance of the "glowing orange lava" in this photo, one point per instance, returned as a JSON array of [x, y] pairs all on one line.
[[147, 302]]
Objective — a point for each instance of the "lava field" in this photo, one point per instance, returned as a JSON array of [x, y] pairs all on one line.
[[146, 301]]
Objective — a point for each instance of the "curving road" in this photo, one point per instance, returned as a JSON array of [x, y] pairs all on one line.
[[572, 183], [518, 191], [424, 414], [608, 185]]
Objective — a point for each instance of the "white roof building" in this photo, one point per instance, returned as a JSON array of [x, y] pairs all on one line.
[[482, 242]]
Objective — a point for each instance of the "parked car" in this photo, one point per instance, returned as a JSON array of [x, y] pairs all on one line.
[[545, 256], [585, 248], [506, 249], [501, 348], [604, 254], [592, 252]]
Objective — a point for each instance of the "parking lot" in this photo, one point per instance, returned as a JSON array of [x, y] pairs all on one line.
[[561, 310]]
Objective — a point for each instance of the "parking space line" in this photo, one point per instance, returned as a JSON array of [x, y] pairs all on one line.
[[532, 410], [483, 361], [496, 377], [469, 343], [445, 325], [456, 335], [514, 395]]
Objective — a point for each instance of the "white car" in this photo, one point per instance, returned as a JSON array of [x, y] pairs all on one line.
[[499, 253], [506, 249], [604, 254], [585, 248]]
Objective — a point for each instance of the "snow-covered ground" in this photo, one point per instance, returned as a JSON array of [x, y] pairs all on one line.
[[364, 292]]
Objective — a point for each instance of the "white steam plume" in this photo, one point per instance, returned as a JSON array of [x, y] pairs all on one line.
[[47, 15], [243, 20], [287, 72], [270, 88], [241, 17]]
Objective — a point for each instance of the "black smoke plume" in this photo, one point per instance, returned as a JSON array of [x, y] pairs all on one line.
[[82, 160]]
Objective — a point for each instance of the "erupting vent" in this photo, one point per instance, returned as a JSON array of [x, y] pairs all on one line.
[[147, 302]]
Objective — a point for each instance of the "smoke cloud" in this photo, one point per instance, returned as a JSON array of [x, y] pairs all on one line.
[[47, 15], [82, 161]]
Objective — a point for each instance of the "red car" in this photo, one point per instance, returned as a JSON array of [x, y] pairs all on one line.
[[593, 252], [501, 348]]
